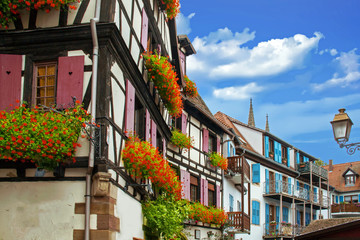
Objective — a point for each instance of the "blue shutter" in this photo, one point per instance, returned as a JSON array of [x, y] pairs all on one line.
[[285, 214], [297, 157], [277, 182], [306, 159], [228, 150], [297, 185], [337, 199], [267, 182], [279, 153], [298, 221], [277, 214], [231, 200], [256, 173], [234, 151], [266, 146], [307, 192], [341, 199], [267, 213], [289, 186], [255, 212], [315, 195], [280, 183], [288, 157]]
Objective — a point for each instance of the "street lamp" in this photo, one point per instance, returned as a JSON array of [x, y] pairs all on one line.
[[341, 127]]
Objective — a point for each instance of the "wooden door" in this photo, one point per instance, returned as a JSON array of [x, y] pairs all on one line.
[[272, 213], [272, 182]]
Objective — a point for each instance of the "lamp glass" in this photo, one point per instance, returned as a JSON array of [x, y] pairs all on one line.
[[341, 131]]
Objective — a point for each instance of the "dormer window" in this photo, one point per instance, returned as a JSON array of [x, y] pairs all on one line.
[[350, 180]]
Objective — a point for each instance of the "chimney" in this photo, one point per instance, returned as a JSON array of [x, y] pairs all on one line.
[[330, 165]]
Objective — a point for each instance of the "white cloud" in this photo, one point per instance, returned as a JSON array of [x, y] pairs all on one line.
[[239, 92], [183, 23], [332, 51], [221, 54], [349, 64]]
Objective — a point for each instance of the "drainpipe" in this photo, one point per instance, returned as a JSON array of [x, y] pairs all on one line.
[[93, 22]]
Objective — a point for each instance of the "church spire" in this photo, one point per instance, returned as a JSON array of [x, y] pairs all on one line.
[[251, 120], [267, 129]]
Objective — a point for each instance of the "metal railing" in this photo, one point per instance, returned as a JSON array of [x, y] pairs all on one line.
[[275, 229], [235, 221], [283, 187], [239, 165], [305, 168]]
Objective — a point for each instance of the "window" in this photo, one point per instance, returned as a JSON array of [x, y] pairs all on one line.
[[350, 180], [271, 149], [231, 203], [194, 189], [284, 155], [140, 120], [45, 84], [255, 212], [255, 173], [238, 206], [212, 143], [211, 195], [351, 199]]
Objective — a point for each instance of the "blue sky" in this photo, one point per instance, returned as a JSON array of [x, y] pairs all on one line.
[[297, 60]]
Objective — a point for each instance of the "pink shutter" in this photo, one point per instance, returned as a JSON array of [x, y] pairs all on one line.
[[206, 193], [218, 145], [188, 186], [159, 49], [182, 62], [201, 191], [129, 108], [70, 80], [205, 140], [144, 29], [147, 125], [10, 80], [183, 183], [218, 204], [164, 148], [183, 123], [153, 133]]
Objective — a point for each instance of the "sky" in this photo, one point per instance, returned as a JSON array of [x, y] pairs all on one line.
[[297, 60]]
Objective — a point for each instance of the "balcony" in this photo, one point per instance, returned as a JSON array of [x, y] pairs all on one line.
[[345, 210], [304, 168], [281, 230], [236, 167], [238, 222]]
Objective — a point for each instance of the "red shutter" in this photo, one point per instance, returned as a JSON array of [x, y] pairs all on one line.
[[183, 123], [70, 80], [218, 145], [205, 140], [182, 62], [10, 80], [164, 148], [153, 133], [144, 29], [147, 126], [129, 108], [218, 204], [201, 191], [206, 193]]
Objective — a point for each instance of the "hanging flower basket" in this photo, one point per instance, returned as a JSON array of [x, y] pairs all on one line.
[[218, 161], [144, 160], [209, 215], [161, 72], [181, 140], [190, 87], [45, 138], [172, 7], [9, 9]]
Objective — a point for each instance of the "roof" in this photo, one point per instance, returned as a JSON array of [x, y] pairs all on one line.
[[186, 44], [201, 106], [325, 227], [337, 180], [224, 119]]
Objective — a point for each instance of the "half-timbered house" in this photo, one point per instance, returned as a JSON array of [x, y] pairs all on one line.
[[92, 52]]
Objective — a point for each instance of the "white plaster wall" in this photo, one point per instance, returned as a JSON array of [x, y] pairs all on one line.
[[130, 214], [40, 210], [253, 137]]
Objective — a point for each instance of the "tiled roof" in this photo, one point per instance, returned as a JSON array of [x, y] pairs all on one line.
[[223, 118], [327, 223], [199, 103], [337, 180]]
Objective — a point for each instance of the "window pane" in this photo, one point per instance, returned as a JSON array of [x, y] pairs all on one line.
[[347, 199], [41, 82], [40, 92], [50, 102], [50, 81], [41, 71], [51, 70], [50, 91]]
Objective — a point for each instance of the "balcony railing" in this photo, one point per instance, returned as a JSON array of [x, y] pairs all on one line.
[[345, 208], [236, 223], [317, 170], [239, 165], [282, 187], [274, 230]]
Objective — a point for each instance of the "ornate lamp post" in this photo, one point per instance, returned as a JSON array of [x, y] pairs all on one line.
[[341, 127]]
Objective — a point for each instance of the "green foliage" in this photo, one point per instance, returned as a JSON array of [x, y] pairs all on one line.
[[181, 140], [166, 216], [320, 163]]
